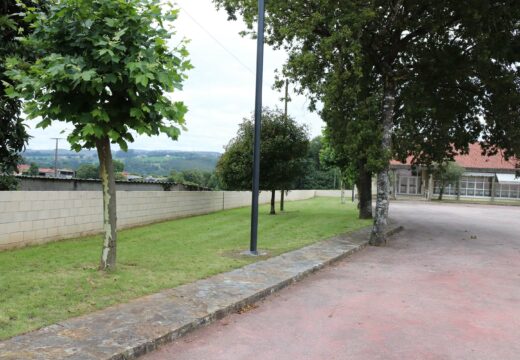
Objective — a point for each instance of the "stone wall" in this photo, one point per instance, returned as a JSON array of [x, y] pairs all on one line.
[[36, 217]]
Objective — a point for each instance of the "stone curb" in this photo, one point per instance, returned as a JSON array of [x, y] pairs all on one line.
[[127, 331]]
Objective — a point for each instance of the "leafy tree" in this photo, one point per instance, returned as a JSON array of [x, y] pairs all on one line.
[[403, 56], [176, 176], [91, 171], [212, 181], [13, 134], [104, 68], [87, 171], [193, 176], [119, 176], [316, 174], [447, 172], [283, 148], [119, 166], [33, 170], [204, 179]]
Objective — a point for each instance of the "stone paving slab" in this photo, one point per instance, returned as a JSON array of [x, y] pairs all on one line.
[[129, 330]]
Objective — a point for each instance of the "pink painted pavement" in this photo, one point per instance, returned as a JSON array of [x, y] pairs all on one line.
[[448, 287]]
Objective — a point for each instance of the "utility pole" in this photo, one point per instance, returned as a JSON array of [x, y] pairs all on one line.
[[286, 100], [258, 127], [56, 157]]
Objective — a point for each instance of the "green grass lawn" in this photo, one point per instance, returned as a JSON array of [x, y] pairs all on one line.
[[41, 285]]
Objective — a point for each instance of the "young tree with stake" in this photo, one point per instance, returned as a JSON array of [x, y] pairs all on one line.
[[105, 67]]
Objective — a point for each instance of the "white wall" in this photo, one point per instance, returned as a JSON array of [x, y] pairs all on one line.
[[35, 217], [334, 193]]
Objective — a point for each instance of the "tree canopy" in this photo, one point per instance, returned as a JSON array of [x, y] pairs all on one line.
[[283, 148], [91, 171], [447, 172], [317, 174], [13, 134], [107, 68], [432, 69]]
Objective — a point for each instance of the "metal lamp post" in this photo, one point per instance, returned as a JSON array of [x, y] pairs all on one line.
[[258, 126]]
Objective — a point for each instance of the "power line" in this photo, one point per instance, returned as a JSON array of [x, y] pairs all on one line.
[[218, 42]]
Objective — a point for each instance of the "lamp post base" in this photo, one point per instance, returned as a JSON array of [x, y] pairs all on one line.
[[254, 253]]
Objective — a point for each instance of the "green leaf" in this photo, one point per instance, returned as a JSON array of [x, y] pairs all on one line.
[[114, 135], [122, 144], [111, 22], [100, 114], [88, 129], [88, 75], [44, 123], [12, 93], [142, 79], [171, 131], [136, 113]]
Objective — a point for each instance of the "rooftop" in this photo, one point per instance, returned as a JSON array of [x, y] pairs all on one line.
[[475, 160]]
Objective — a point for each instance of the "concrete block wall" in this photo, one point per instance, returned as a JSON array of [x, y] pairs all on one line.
[[334, 193], [36, 217]]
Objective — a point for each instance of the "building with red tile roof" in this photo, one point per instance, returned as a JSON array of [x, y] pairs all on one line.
[[23, 168], [485, 177], [475, 160]]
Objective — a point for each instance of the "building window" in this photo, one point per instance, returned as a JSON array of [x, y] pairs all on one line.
[[473, 186], [510, 191]]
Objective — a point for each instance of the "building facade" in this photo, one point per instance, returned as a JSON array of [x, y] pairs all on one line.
[[485, 178]]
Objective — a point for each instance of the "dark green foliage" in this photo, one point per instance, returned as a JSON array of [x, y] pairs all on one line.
[[284, 146], [13, 134], [33, 170], [104, 67], [205, 179], [317, 175], [119, 166], [431, 70], [447, 172], [87, 171], [91, 171]]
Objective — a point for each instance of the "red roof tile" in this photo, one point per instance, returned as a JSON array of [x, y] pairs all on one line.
[[475, 160], [46, 170], [23, 168]]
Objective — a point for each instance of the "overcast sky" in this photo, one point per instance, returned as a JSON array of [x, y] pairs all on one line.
[[220, 90]]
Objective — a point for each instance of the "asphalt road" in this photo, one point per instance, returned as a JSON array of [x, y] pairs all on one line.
[[447, 287]]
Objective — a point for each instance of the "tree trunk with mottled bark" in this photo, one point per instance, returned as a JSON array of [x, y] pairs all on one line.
[[108, 183], [273, 198], [282, 198], [364, 185], [378, 236]]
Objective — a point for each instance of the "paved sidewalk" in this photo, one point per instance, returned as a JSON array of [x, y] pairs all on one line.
[[446, 288], [133, 329]]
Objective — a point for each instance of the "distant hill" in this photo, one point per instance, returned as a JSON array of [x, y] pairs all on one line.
[[136, 161]]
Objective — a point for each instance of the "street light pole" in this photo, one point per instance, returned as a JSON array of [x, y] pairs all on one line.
[[258, 127]]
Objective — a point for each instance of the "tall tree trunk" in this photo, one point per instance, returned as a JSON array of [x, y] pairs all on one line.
[[378, 236], [364, 185], [441, 190], [282, 198], [108, 183], [273, 198]]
